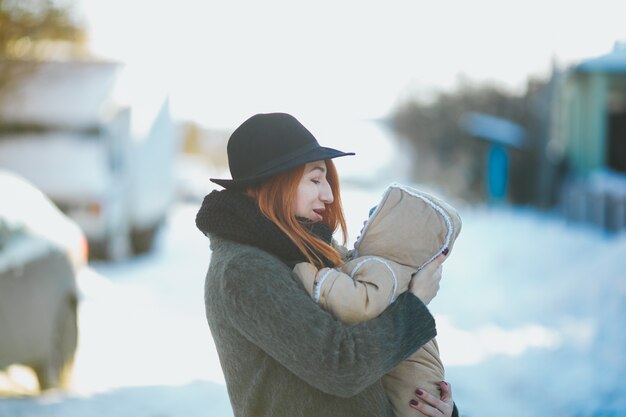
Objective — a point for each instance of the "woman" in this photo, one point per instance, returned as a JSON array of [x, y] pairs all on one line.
[[281, 354]]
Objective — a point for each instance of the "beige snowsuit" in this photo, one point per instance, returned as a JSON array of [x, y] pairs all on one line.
[[407, 230]]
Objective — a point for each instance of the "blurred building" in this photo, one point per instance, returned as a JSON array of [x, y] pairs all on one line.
[[101, 145], [589, 131]]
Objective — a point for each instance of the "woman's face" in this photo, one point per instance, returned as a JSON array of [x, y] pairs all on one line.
[[313, 192]]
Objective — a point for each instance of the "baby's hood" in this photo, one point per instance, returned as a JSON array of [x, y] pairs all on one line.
[[410, 227]]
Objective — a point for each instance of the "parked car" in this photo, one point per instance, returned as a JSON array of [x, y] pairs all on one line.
[[41, 253]]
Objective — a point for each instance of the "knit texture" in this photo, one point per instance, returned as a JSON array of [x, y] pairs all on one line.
[[282, 355], [235, 216]]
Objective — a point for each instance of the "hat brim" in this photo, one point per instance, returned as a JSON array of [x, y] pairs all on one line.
[[316, 154]]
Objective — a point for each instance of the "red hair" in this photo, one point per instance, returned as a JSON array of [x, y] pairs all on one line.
[[276, 197]]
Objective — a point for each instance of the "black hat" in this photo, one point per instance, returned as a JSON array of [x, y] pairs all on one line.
[[267, 144]]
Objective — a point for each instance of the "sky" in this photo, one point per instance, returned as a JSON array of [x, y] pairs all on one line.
[[223, 61]]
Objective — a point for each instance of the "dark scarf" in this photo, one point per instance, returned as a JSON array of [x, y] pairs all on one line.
[[235, 216]]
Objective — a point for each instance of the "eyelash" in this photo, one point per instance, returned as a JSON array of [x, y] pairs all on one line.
[[316, 181]]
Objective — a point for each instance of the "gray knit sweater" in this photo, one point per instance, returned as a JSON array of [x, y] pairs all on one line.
[[283, 356]]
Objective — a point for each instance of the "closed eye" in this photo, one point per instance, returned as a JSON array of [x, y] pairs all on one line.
[[315, 181]]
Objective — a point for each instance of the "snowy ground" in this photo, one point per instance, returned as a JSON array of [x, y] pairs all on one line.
[[530, 319]]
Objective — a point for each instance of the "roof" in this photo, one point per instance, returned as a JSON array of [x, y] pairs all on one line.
[[59, 93], [79, 96], [613, 62], [494, 129]]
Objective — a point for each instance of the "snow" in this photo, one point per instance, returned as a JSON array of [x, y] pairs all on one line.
[[29, 212], [530, 322]]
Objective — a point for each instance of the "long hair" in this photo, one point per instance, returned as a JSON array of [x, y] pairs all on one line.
[[275, 198]]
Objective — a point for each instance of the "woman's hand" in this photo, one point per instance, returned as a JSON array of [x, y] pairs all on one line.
[[432, 406], [425, 283]]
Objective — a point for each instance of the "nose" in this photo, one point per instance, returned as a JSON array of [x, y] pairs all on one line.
[[326, 194]]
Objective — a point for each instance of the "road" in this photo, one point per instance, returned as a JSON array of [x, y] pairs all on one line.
[[530, 323]]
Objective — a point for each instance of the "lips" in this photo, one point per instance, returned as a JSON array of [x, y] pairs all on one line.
[[319, 212]]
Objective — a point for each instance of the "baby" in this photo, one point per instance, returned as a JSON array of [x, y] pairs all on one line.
[[407, 230]]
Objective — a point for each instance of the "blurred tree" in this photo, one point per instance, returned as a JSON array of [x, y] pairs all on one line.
[[444, 153], [33, 30]]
